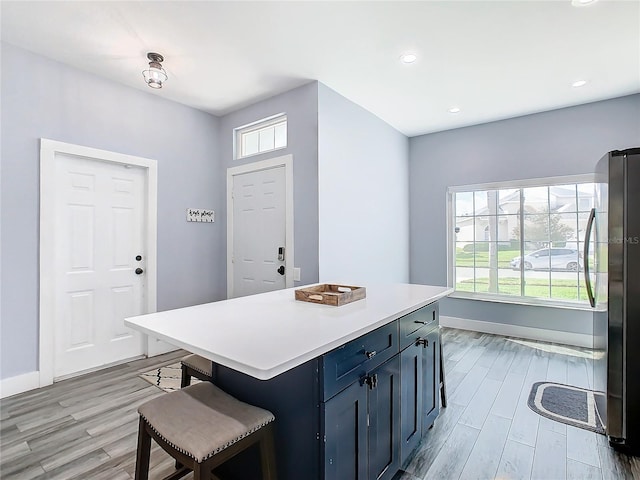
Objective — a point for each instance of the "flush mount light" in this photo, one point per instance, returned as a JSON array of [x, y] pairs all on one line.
[[454, 110], [408, 58], [579, 83], [582, 3], [155, 75]]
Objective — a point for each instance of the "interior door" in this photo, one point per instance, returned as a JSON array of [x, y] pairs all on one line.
[[259, 231], [100, 220]]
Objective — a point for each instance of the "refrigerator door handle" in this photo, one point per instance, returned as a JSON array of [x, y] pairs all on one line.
[[585, 258]]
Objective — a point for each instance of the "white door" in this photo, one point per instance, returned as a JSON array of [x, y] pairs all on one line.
[[259, 231], [99, 262]]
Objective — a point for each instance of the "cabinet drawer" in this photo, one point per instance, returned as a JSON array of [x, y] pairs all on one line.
[[417, 324], [350, 362]]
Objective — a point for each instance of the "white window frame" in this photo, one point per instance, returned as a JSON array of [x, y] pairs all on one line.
[[515, 184], [263, 124]]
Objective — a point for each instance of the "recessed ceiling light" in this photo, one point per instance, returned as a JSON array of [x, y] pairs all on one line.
[[408, 58], [582, 3], [454, 110], [579, 83]]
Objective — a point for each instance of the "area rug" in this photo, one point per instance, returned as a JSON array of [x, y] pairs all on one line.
[[167, 378], [564, 403]]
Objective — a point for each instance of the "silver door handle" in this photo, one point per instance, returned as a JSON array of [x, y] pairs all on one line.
[[585, 257]]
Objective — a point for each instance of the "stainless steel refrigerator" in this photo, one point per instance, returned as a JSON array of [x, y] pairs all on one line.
[[612, 274]]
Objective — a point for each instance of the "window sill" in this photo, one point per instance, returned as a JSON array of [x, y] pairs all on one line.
[[532, 302]]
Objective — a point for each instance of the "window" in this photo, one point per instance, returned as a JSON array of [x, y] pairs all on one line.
[[262, 136], [521, 242]]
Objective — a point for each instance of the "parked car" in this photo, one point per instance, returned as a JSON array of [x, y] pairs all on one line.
[[550, 258]]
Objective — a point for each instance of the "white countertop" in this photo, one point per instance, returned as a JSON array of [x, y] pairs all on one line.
[[267, 334]]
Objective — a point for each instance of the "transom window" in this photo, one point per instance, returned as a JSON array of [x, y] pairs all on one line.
[[521, 242], [262, 136]]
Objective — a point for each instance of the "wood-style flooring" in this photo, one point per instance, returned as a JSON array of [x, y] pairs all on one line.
[[487, 430], [86, 427]]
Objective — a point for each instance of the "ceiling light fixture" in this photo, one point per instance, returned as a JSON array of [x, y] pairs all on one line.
[[579, 83], [582, 3], [408, 58], [155, 75], [454, 110]]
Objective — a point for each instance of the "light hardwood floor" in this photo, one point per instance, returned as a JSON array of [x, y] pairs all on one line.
[[86, 427]]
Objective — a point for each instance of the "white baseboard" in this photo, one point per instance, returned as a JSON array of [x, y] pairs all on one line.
[[19, 383], [531, 333]]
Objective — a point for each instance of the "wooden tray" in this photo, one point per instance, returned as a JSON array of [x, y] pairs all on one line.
[[330, 294]]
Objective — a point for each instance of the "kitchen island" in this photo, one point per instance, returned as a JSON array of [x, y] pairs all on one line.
[[353, 388]]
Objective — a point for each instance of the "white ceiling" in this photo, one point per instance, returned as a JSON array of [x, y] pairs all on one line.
[[493, 60]]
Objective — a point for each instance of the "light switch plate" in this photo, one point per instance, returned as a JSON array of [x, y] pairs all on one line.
[[296, 274], [200, 215]]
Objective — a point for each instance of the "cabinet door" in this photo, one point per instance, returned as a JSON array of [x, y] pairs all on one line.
[[411, 406], [345, 435], [431, 376], [384, 420]]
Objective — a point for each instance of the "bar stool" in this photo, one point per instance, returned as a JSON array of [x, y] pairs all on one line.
[[202, 427], [195, 366]]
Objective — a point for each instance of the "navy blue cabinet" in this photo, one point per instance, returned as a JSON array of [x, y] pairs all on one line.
[[354, 413], [362, 429], [345, 434], [411, 399], [420, 374], [431, 370], [383, 408], [362, 422]]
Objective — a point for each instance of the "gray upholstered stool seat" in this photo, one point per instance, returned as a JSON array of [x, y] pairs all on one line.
[[201, 427], [195, 366]]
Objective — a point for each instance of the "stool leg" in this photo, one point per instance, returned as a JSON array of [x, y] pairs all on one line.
[[267, 454], [443, 385], [186, 377], [144, 452], [200, 472]]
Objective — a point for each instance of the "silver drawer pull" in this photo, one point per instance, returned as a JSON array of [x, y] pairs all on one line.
[[370, 354], [420, 321]]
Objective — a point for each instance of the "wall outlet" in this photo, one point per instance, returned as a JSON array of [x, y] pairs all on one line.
[[200, 215], [296, 274]]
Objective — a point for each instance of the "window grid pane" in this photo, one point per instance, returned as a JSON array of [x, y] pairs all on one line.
[[488, 242], [266, 139], [263, 136]]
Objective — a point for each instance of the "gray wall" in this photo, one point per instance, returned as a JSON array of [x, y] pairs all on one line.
[[43, 98], [363, 184], [301, 107], [560, 142]]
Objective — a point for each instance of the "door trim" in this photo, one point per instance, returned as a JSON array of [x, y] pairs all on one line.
[[48, 151], [285, 161]]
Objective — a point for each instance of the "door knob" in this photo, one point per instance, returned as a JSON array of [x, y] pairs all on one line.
[[139, 271], [281, 270]]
